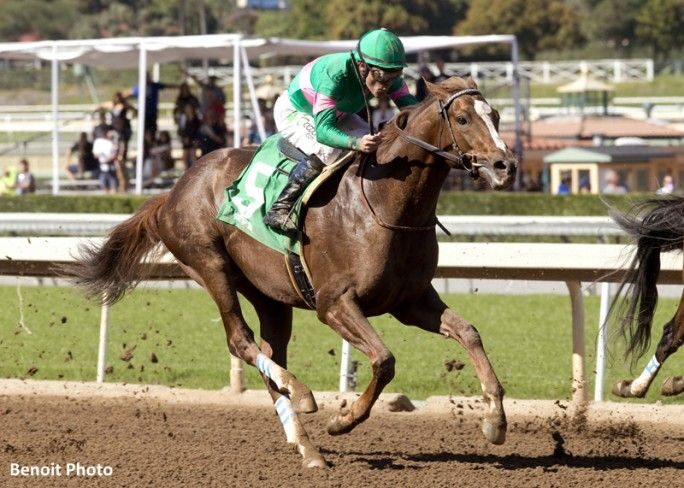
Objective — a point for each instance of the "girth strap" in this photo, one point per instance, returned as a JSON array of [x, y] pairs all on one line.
[[300, 279]]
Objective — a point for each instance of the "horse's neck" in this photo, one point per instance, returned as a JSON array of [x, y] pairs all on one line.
[[404, 191], [403, 187]]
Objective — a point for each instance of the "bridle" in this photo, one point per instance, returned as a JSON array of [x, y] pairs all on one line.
[[443, 110], [458, 158]]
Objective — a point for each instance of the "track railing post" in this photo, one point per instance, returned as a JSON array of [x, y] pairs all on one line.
[[102, 346]]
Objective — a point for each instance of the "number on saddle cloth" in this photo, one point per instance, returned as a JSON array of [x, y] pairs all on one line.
[[252, 193]]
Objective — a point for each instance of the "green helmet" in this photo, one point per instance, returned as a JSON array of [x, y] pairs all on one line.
[[381, 48]]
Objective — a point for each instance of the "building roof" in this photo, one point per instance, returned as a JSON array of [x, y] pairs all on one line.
[[610, 127], [607, 154]]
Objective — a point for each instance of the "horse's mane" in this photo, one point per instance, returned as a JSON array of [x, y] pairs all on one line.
[[451, 85]]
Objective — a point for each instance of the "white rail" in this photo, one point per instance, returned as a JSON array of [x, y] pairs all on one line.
[[462, 225], [572, 263]]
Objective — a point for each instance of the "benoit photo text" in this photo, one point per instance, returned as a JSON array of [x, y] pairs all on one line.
[[58, 470]]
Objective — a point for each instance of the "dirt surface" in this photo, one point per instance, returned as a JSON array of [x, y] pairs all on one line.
[[148, 441]]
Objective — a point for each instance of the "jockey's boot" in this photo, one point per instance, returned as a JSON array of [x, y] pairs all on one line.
[[278, 217]]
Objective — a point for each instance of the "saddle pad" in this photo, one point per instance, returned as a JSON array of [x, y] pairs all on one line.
[[259, 185], [254, 191]]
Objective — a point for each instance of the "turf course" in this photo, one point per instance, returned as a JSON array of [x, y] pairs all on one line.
[[175, 337]]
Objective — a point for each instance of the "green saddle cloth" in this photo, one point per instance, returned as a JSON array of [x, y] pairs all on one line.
[[250, 196]]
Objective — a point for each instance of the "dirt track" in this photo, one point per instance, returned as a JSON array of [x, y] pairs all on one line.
[[149, 442]]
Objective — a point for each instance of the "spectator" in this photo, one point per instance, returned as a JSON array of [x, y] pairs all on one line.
[[86, 161], [106, 150], [8, 181], [101, 129], [584, 185], [613, 184], [425, 75], [213, 133], [25, 181], [442, 72], [212, 98], [185, 97], [382, 113], [152, 89], [188, 131], [162, 150], [121, 111], [267, 120], [565, 186], [668, 186]]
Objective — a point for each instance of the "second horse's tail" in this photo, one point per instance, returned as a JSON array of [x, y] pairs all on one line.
[[108, 271], [655, 225]]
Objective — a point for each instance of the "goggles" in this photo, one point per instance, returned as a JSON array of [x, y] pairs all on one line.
[[383, 76]]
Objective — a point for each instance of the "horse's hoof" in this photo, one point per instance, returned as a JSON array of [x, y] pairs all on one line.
[[494, 432], [674, 385], [305, 403], [338, 426], [621, 389], [314, 462]]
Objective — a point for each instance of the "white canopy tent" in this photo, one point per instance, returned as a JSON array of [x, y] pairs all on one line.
[[141, 51]]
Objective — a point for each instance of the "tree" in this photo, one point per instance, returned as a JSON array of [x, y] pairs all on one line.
[[537, 24], [349, 19], [660, 25], [613, 22], [45, 19]]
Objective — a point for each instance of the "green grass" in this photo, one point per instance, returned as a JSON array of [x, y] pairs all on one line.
[[528, 339]]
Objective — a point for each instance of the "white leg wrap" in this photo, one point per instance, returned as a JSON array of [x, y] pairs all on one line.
[[286, 414], [269, 369], [641, 383]]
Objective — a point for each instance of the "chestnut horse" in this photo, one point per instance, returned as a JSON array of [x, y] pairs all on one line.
[[369, 240], [656, 225]]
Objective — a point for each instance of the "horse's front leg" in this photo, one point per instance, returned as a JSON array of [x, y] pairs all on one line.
[[430, 313], [672, 338], [345, 317]]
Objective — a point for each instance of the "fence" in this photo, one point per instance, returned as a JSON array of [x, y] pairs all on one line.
[[572, 263]]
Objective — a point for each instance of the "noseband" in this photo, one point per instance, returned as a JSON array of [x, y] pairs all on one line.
[[443, 111]]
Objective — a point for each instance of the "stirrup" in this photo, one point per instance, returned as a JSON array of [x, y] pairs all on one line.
[[280, 219]]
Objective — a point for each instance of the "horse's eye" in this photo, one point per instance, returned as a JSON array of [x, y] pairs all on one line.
[[461, 120]]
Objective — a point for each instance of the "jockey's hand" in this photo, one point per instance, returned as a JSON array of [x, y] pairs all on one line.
[[370, 142]]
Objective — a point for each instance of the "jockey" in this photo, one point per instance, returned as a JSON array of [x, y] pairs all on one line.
[[318, 113]]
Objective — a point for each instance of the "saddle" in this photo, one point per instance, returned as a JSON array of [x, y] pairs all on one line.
[[251, 194]]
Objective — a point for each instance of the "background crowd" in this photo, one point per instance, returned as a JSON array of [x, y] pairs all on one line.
[[200, 128]]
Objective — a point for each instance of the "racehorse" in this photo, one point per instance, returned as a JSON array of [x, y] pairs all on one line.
[[369, 240], [656, 225]]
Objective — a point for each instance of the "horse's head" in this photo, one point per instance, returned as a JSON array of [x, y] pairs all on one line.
[[468, 131]]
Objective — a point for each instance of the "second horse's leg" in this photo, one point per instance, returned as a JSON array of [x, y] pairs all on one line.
[[430, 313], [672, 338]]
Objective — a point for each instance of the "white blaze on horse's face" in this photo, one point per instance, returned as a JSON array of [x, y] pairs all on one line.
[[483, 110]]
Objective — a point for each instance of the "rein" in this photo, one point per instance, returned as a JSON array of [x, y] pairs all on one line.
[[375, 216], [458, 158]]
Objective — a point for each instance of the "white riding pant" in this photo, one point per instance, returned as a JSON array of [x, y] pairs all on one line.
[[299, 128]]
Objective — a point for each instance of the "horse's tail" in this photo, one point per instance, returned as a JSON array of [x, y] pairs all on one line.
[[108, 271], [655, 225]]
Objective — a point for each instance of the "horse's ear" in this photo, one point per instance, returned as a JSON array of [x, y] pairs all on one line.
[[470, 82], [435, 89]]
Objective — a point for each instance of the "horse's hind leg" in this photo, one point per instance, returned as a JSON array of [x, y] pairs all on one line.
[[672, 338], [217, 272], [345, 317], [276, 328], [430, 313]]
